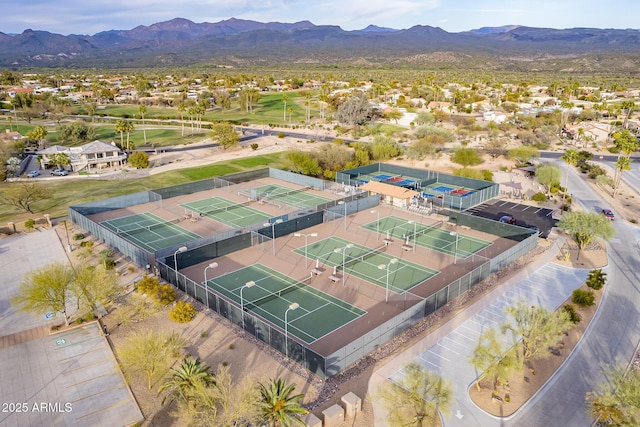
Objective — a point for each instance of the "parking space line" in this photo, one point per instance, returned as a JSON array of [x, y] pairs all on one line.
[[438, 355], [79, 368], [105, 408], [108, 374], [115, 387]]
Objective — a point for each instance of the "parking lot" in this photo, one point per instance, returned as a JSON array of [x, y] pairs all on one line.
[[525, 215]]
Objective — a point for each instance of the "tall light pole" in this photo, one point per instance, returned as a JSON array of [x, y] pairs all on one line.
[[292, 306], [341, 202], [414, 234], [306, 265], [344, 258], [387, 267], [175, 260], [377, 224], [455, 251], [206, 288], [273, 232], [249, 284]]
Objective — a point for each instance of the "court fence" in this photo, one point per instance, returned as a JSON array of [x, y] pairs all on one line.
[[482, 190]]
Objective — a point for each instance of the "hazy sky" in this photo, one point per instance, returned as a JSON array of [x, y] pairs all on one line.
[[92, 16]]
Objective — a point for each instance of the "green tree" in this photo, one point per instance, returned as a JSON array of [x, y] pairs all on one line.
[[45, 289], [138, 160], [570, 157], [23, 195], [30, 224], [416, 398], [466, 157], [278, 406], [149, 354], [38, 134], [95, 286], [493, 359], [181, 109], [142, 109], [537, 328], [60, 159], [393, 114], [182, 380], [617, 402], [584, 226], [303, 162], [547, 174], [524, 153], [225, 134], [384, 148]]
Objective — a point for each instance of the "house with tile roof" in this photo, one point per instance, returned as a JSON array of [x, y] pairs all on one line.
[[91, 157]]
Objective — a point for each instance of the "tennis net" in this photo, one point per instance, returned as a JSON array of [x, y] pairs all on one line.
[[425, 230], [224, 208], [278, 294], [279, 195], [362, 257], [151, 227]]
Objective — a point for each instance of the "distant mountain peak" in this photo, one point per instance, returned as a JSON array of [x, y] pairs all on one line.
[[494, 30], [375, 29]]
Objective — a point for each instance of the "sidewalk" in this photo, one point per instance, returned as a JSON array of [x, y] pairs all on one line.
[[447, 350]]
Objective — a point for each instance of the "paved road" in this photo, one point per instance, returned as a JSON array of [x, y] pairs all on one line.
[[611, 339]]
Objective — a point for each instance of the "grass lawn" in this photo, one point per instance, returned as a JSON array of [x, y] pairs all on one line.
[[67, 192]]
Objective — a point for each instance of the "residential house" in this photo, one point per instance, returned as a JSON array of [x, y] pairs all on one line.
[[93, 156]]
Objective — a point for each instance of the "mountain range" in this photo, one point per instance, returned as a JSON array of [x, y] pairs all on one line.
[[236, 42]]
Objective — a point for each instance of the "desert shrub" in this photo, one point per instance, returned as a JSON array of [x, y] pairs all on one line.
[[78, 236], [109, 264], [89, 317], [165, 294], [596, 170], [29, 224], [574, 316], [87, 244], [487, 175], [148, 285], [539, 197], [254, 146], [182, 312], [583, 298], [79, 321], [596, 279], [281, 135]]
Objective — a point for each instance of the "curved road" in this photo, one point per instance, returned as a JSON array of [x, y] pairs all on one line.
[[611, 339]]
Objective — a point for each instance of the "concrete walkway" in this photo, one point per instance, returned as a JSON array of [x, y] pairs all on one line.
[[447, 350]]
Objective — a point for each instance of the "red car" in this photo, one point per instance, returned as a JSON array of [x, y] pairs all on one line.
[[608, 214]]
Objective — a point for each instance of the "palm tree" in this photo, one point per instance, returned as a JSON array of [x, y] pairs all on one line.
[[181, 109], [183, 379], [278, 407], [416, 398], [121, 126], [285, 98], [570, 157], [142, 109], [622, 164]]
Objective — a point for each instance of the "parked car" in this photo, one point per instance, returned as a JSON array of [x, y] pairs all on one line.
[[608, 214], [508, 219], [33, 174], [59, 172]]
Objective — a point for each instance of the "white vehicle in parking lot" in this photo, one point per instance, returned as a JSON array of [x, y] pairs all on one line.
[[33, 174], [59, 172]]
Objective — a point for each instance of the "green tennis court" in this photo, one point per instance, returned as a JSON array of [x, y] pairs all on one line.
[[149, 231], [428, 235], [268, 294], [370, 264], [281, 194], [226, 211]]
